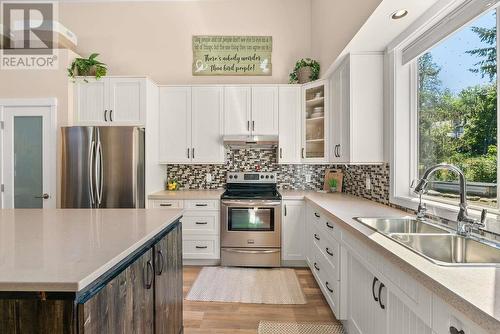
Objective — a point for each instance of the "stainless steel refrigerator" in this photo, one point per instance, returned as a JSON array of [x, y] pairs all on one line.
[[102, 167]]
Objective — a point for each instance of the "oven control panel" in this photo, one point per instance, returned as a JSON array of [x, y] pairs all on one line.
[[251, 177]]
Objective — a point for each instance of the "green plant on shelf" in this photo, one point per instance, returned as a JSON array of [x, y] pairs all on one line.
[[87, 67], [305, 62]]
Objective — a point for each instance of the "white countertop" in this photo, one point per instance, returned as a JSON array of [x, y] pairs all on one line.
[[67, 249], [190, 194], [474, 291]]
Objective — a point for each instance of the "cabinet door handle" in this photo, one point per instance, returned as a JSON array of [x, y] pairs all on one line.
[[302, 153], [316, 266], [105, 115], [328, 251], [161, 262], [253, 125], [284, 207], [192, 152], [454, 330], [201, 223], [329, 226], [201, 247], [281, 153], [148, 275], [188, 152], [328, 287], [111, 115], [166, 204], [380, 295], [201, 204], [316, 237], [338, 150], [317, 215], [248, 125], [375, 280]]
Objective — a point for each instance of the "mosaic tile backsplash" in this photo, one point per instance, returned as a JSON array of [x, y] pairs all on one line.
[[291, 177]]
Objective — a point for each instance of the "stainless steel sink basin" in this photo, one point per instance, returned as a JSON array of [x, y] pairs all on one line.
[[450, 249], [400, 225]]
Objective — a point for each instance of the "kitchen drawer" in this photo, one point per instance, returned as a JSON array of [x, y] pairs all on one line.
[[323, 222], [330, 249], [200, 222], [200, 247], [165, 204], [201, 205]]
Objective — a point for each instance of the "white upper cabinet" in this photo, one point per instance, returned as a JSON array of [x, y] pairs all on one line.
[[237, 110], [289, 124], [206, 125], [191, 125], [110, 101], [315, 116], [264, 110], [356, 124], [175, 125], [127, 101], [90, 102]]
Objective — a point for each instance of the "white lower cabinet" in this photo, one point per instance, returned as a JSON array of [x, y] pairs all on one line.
[[369, 293], [293, 230]]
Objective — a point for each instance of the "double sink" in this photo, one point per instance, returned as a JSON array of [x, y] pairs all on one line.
[[435, 243]]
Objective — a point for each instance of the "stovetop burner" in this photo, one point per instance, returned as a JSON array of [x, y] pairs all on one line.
[[252, 185]]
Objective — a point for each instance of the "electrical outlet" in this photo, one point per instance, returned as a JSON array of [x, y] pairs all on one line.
[[208, 178], [308, 178], [368, 183]]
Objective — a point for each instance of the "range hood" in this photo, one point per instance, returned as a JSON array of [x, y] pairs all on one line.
[[250, 141]]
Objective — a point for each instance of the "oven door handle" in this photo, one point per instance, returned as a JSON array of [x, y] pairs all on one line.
[[252, 203], [267, 251]]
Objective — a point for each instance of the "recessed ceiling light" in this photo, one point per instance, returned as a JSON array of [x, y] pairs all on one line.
[[399, 14]]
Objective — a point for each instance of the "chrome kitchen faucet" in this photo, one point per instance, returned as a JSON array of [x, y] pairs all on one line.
[[464, 222]]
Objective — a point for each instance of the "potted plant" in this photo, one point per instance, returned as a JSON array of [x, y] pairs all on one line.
[[173, 185], [87, 67], [305, 70], [333, 185]]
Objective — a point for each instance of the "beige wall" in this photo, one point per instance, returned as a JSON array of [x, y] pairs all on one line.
[[334, 23], [154, 38]]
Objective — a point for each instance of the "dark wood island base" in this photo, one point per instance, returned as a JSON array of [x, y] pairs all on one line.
[[142, 294]]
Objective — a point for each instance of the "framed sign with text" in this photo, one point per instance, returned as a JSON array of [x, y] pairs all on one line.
[[232, 55]]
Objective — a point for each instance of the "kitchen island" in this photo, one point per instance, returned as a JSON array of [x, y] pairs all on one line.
[[90, 271]]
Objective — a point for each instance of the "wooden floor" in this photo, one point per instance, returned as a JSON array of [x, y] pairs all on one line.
[[239, 318]]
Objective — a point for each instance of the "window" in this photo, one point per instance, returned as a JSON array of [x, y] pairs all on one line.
[[457, 112]]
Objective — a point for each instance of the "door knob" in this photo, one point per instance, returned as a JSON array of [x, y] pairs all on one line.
[[44, 196]]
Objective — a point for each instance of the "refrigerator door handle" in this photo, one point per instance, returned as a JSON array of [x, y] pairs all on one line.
[[91, 163], [99, 169]]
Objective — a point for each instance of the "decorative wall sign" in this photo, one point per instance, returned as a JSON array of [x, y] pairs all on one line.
[[232, 55]]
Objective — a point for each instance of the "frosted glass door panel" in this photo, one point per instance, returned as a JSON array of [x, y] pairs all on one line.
[[28, 161]]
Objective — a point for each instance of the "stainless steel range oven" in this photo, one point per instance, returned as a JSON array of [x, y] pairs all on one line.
[[251, 221]]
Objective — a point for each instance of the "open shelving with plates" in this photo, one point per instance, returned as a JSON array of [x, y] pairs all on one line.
[[314, 128]]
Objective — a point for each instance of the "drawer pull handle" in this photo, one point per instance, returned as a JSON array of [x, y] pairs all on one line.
[[166, 204], [329, 252], [328, 287], [453, 330], [201, 204], [329, 226], [316, 236], [201, 247], [316, 214], [373, 288], [201, 223], [316, 266]]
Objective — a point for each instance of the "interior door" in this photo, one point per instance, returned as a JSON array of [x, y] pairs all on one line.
[[28, 146], [175, 125], [127, 101], [237, 109], [206, 125], [264, 110]]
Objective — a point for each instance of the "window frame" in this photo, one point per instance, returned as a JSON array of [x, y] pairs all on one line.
[[402, 84]]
